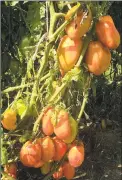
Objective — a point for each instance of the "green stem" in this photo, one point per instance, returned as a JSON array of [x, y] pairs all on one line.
[[10, 89], [57, 92], [56, 167], [61, 28], [85, 46], [85, 98], [87, 40], [82, 107], [39, 74], [37, 124], [52, 18]]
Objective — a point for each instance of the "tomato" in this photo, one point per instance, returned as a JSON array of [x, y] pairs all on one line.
[[58, 174], [80, 25], [31, 154], [60, 149], [9, 119], [71, 11], [97, 58], [62, 129], [47, 125], [68, 170], [45, 169], [68, 53], [74, 129], [11, 169], [76, 154], [107, 32], [48, 149]]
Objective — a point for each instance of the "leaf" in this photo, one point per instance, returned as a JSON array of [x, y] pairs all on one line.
[[13, 3], [36, 11], [4, 156], [72, 75], [25, 2], [25, 137], [20, 106]]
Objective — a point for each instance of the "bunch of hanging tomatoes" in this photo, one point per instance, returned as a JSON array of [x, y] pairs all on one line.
[[98, 56]]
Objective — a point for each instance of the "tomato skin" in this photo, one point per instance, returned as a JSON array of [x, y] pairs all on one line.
[[60, 149], [9, 119], [68, 170], [107, 32], [47, 125], [59, 174], [97, 58], [76, 154], [48, 149], [11, 169], [68, 53], [63, 129], [30, 154], [45, 169], [75, 29]]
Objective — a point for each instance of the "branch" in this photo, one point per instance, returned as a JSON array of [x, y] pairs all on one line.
[[10, 89], [85, 98]]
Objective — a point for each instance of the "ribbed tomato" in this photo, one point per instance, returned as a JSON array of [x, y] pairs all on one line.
[[31, 154]]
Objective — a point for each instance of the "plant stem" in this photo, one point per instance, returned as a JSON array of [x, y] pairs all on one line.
[[52, 18], [10, 89], [39, 74], [61, 28], [87, 40], [37, 124], [57, 92], [85, 98]]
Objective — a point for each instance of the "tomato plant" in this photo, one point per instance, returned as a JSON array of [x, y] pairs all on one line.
[[55, 56]]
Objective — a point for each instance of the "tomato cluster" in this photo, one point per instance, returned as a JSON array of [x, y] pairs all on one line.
[[98, 55], [59, 133], [70, 46]]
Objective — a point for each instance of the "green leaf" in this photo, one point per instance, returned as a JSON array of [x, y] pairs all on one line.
[[13, 3], [36, 11], [20, 106], [25, 2], [25, 137], [4, 156]]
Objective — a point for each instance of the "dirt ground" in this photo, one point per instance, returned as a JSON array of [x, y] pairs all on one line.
[[103, 162]]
